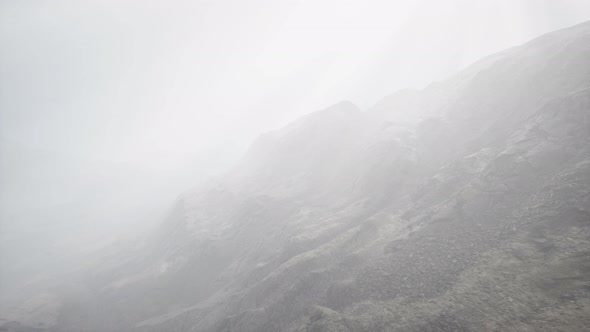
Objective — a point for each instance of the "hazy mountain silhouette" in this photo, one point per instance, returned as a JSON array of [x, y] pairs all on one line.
[[461, 207]]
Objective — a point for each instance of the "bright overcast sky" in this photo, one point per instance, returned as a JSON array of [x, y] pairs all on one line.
[[155, 83]]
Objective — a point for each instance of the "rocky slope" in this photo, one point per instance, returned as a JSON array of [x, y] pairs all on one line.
[[461, 207]]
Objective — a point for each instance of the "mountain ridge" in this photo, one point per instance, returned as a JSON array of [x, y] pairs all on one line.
[[470, 214]]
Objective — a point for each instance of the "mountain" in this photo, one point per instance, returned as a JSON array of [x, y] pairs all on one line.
[[464, 206]]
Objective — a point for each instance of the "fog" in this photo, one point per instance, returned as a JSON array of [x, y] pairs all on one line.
[[155, 85], [111, 109]]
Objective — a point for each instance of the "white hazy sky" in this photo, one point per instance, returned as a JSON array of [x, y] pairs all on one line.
[[156, 83]]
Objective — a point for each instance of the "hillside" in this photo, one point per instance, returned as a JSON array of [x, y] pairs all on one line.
[[461, 207]]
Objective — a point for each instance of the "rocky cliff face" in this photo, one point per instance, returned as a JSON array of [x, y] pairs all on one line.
[[470, 213]]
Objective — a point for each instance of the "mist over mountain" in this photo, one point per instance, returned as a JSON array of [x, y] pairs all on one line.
[[464, 206]]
